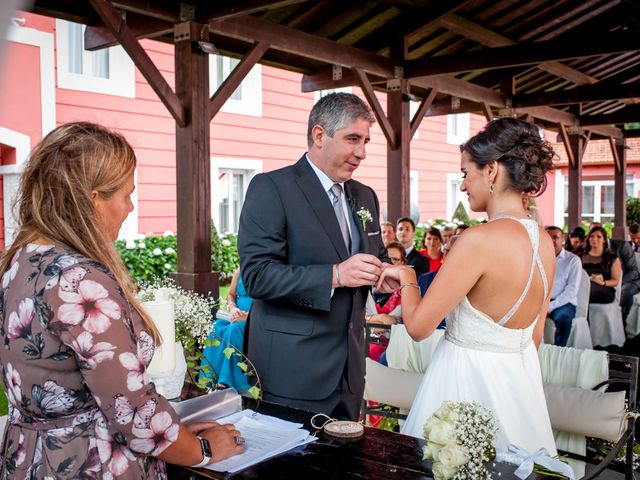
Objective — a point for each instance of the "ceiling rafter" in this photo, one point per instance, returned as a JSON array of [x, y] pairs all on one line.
[[489, 38]]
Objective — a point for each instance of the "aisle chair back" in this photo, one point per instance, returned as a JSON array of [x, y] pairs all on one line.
[[580, 336], [605, 322], [579, 407]]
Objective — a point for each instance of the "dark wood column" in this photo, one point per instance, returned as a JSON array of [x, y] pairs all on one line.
[[575, 144], [620, 196], [193, 169], [398, 163]]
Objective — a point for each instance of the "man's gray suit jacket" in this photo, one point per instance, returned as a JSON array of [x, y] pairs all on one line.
[[300, 336]]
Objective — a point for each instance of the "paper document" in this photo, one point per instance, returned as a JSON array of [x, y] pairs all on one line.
[[265, 437]]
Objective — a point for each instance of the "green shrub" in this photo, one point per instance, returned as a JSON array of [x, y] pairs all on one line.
[[633, 210], [151, 258]]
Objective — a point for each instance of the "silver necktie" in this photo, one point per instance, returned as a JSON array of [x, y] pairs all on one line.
[[336, 199]]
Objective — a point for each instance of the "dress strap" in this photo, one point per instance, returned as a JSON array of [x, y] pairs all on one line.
[[534, 236]]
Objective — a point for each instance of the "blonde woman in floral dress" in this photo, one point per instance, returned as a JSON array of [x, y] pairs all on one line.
[[76, 343]]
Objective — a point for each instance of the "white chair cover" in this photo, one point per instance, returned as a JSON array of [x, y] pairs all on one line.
[[570, 367], [580, 336], [605, 322], [633, 319], [403, 353]]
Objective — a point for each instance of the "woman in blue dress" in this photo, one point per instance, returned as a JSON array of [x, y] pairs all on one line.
[[231, 332]]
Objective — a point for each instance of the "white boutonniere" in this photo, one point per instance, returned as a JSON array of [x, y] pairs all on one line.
[[365, 217]]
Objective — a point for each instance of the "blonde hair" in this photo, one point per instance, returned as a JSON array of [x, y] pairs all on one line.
[[55, 204]]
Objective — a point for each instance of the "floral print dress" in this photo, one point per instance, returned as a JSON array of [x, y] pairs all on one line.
[[73, 358]]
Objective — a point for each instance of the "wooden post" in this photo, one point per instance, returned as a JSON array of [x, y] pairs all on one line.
[[575, 144], [193, 169], [398, 163], [620, 189]]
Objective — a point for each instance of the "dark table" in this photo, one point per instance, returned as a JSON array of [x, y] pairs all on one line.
[[378, 454]]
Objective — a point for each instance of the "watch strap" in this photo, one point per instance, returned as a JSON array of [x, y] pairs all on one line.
[[206, 453]]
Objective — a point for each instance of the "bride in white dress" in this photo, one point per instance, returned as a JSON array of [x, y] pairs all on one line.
[[496, 283]]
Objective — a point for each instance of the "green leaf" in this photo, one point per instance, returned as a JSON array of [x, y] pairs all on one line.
[[254, 392], [228, 352], [243, 366]]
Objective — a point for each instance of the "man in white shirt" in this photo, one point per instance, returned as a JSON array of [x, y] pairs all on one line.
[[566, 282]]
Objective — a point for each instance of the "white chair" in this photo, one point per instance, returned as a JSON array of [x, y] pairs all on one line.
[[605, 322], [580, 336], [633, 318]]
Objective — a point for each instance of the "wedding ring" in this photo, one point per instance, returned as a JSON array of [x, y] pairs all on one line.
[[239, 440]]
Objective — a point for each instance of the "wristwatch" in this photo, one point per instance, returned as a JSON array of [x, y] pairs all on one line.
[[206, 453]]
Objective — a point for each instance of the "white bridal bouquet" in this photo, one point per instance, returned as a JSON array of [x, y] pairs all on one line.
[[460, 441]]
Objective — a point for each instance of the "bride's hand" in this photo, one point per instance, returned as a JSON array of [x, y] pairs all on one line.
[[393, 275]]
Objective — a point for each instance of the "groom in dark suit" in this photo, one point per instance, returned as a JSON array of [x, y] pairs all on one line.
[[310, 249]]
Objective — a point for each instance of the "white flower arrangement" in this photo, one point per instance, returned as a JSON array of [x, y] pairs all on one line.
[[193, 312], [460, 441], [365, 217]]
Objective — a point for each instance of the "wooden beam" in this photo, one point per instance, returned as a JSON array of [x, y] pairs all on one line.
[[233, 81], [238, 8], [422, 109], [614, 153], [294, 41], [459, 88], [388, 131], [98, 36], [620, 189], [582, 94], [524, 54], [114, 21], [577, 145], [489, 38], [193, 168], [398, 157], [567, 146], [488, 114], [150, 9], [630, 114]]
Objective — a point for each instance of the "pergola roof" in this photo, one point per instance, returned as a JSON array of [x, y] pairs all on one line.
[[574, 63]]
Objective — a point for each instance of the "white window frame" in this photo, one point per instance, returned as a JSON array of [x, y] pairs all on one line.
[[121, 81], [129, 228], [44, 41], [251, 102], [463, 131], [597, 193], [455, 178], [253, 167], [11, 179]]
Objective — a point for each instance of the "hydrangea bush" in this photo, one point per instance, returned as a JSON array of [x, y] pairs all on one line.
[[151, 257]]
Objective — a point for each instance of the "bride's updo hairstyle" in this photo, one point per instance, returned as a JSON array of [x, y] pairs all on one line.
[[517, 145]]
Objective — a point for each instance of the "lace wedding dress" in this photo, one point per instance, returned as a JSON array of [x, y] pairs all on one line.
[[481, 360]]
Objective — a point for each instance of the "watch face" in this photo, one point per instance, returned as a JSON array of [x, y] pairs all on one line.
[[206, 447]]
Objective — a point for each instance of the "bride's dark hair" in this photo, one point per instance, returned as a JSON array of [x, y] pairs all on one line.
[[517, 145]]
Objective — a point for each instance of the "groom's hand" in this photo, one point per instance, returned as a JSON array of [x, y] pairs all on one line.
[[359, 270]]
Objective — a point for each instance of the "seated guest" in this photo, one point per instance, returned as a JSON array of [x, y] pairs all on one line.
[[566, 283], [634, 237], [461, 228], [406, 233], [390, 313], [77, 343], [602, 265], [447, 233], [432, 243], [388, 233], [575, 242], [230, 332]]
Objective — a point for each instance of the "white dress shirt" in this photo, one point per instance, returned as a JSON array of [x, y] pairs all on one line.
[[327, 183], [566, 281]]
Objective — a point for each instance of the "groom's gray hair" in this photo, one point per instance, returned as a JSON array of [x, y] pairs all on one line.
[[335, 111]]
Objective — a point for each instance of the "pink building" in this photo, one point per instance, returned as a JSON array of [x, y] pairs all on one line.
[[48, 79]]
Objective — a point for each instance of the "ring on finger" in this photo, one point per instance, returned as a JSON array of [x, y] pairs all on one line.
[[240, 440]]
